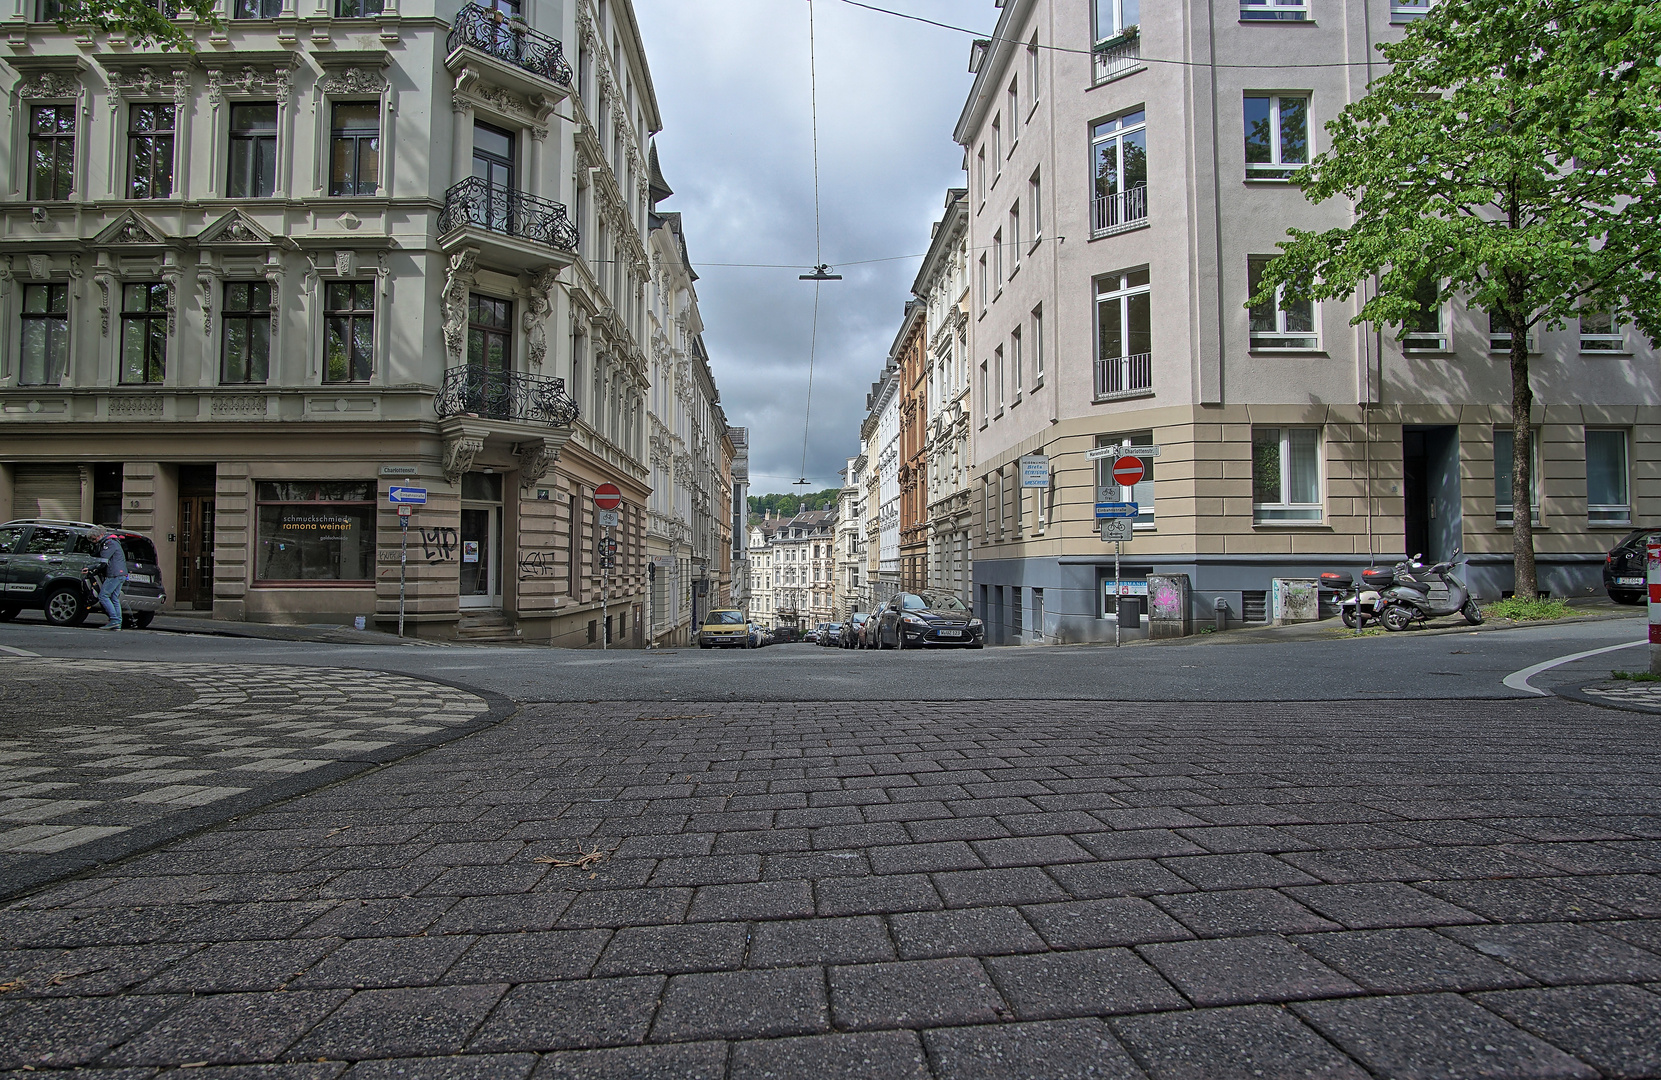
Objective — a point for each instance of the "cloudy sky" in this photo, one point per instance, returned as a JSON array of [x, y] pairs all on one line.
[[732, 84]]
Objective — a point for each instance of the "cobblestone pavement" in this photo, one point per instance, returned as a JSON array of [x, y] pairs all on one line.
[[1626, 695], [84, 778], [963, 892]]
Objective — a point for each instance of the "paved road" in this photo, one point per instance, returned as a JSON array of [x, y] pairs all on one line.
[[958, 890], [1407, 666]]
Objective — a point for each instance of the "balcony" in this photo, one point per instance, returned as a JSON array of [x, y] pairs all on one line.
[[478, 392], [1117, 56], [509, 42], [1119, 212], [1124, 376], [517, 231]]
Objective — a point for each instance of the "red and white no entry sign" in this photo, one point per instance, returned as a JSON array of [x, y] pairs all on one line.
[[1128, 471], [607, 497]]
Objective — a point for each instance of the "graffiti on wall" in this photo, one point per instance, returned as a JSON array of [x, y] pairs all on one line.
[[538, 564], [439, 545]]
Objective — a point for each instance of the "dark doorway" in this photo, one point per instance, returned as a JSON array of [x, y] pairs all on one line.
[[193, 583], [1432, 522]]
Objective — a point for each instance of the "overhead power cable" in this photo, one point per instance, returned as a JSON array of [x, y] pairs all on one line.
[[821, 271]]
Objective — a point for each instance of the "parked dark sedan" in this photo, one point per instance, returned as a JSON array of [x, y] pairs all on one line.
[[852, 632], [914, 620], [1625, 575], [830, 635]]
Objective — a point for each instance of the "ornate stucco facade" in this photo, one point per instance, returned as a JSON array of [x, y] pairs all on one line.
[[942, 284], [323, 256]]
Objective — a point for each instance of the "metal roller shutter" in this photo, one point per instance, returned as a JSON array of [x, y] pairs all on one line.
[[47, 491]]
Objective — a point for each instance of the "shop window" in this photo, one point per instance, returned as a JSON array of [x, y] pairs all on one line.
[[315, 532]]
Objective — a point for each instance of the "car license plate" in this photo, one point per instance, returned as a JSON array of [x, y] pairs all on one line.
[[1629, 581], [951, 633], [145, 578]]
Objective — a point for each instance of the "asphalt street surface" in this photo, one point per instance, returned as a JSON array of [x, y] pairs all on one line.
[[1208, 860]]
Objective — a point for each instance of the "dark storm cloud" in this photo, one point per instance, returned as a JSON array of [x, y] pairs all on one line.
[[732, 84]]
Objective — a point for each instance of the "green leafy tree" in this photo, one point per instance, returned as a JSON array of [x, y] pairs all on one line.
[[1509, 156], [142, 22]]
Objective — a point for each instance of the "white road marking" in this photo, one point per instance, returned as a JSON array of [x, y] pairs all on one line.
[[9, 651], [1518, 680]]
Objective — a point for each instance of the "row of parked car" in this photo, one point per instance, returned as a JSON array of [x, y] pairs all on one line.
[[47, 565], [907, 621]]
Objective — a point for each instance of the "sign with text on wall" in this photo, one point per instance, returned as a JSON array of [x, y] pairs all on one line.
[[1035, 471]]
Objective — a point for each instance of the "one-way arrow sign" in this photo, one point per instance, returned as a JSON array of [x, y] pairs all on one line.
[[414, 495]]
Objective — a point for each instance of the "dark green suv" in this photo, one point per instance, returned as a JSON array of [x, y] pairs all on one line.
[[44, 567]]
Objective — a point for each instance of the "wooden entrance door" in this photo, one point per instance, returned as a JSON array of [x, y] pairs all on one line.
[[193, 585]]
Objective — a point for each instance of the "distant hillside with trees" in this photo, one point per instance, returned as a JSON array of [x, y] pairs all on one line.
[[791, 505]]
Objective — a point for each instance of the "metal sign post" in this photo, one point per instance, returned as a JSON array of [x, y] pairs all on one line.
[[403, 563], [605, 591]]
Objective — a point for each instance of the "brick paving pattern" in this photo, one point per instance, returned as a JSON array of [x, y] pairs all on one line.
[[79, 767], [957, 892]]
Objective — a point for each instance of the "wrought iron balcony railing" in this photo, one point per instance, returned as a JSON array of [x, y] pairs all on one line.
[[509, 41], [1120, 211], [474, 390], [1123, 376], [508, 212]]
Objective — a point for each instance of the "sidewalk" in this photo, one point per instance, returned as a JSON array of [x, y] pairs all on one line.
[[188, 622]]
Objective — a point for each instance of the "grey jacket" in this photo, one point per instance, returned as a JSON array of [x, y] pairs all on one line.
[[113, 558]]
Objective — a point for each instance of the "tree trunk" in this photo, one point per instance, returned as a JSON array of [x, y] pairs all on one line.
[[1526, 585]]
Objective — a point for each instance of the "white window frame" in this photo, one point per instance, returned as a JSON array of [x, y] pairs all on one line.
[[997, 264], [1032, 76], [1117, 9], [1015, 237], [1013, 96], [1284, 511], [985, 293], [1015, 362], [985, 397], [1038, 346], [997, 150], [998, 376], [1035, 201], [1499, 341], [1610, 513], [1504, 513], [980, 175], [1601, 343], [1437, 341], [1276, 168], [1280, 339], [1274, 11]]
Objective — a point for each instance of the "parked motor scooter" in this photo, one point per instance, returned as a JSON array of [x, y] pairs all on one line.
[[1358, 603], [1407, 599]]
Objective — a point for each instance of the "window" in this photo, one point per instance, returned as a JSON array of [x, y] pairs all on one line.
[[1037, 344], [1035, 204], [1032, 70], [1499, 334], [143, 332], [246, 333], [349, 347], [1600, 331], [1114, 17], [150, 151], [489, 333], [1014, 238], [1405, 11], [997, 262], [354, 148], [997, 148], [1119, 151], [980, 173], [1607, 502], [257, 9], [1279, 324], [1274, 10], [45, 321], [51, 151], [357, 9], [1504, 504], [985, 401], [984, 294], [1141, 494], [1286, 475], [1015, 360], [253, 167], [1014, 110], [1426, 331], [998, 375], [1277, 135], [1124, 334], [315, 532]]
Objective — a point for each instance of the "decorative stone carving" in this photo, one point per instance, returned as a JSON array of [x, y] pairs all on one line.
[[534, 320], [173, 278], [5, 274], [274, 278], [144, 82], [40, 267], [103, 281], [243, 405], [535, 459], [459, 453], [458, 282], [206, 281], [235, 230], [346, 264], [356, 80], [251, 79], [135, 405], [49, 84], [132, 232]]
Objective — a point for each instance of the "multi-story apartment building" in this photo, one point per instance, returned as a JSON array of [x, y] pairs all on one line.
[[849, 575], [885, 411], [199, 259], [910, 359], [762, 571], [793, 559], [1291, 441], [942, 285], [738, 442]]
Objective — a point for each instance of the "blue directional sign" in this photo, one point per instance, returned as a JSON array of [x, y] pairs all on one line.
[[414, 495], [1117, 510]]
